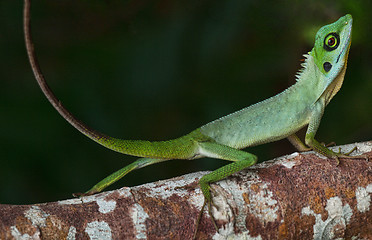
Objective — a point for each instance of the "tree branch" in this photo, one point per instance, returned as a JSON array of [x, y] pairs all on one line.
[[299, 196]]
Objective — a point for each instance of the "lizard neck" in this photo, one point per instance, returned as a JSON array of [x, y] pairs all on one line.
[[310, 79]]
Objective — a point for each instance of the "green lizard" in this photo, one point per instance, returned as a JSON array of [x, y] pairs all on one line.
[[275, 118]]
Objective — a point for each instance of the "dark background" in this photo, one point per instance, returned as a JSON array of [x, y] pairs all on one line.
[[157, 70]]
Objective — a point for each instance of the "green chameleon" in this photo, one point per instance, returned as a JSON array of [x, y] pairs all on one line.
[[273, 119]]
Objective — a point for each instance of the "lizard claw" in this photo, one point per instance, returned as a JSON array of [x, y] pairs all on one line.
[[211, 215], [337, 160], [208, 201], [209, 204], [331, 144], [348, 153], [79, 194]]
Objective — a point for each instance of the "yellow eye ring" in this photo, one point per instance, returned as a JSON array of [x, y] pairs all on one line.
[[331, 41]]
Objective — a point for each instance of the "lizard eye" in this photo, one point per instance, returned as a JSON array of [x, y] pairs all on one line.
[[331, 41]]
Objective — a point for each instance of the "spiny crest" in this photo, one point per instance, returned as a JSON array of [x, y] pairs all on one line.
[[303, 66]]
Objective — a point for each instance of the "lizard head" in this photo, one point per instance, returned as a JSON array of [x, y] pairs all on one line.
[[330, 52], [332, 43]]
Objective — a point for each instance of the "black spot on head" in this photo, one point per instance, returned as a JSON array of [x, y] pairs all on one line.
[[327, 66]]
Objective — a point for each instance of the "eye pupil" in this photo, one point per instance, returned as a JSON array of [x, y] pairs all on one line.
[[331, 41]]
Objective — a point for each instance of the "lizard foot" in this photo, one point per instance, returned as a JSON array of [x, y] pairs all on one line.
[[331, 144], [208, 201], [339, 154], [83, 194], [209, 206]]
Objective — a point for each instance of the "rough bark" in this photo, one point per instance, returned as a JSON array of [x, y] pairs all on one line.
[[299, 196]]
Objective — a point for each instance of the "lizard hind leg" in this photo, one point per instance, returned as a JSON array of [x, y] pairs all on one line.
[[139, 163], [240, 160]]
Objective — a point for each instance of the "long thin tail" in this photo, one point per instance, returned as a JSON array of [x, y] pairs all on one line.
[[43, 84], [178, 148]]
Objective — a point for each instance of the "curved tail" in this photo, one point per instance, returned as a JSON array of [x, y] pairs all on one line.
[[178, 148], [43, 84]]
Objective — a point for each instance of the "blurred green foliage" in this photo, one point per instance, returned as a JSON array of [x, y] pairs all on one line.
[[157, 70]]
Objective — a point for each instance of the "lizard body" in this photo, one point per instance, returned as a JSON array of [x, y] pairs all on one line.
[[275, 118]]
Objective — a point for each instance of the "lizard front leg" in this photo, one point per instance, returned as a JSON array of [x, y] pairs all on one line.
[[314, 144]]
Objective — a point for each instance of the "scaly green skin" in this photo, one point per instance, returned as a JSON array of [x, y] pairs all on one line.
[[275, 118], [272, 119]]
